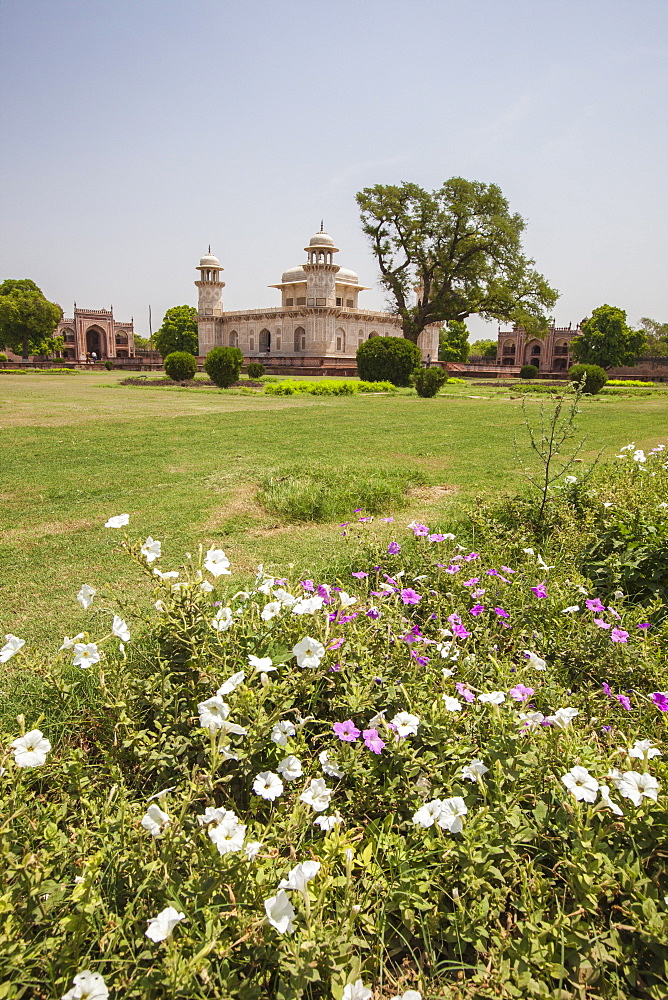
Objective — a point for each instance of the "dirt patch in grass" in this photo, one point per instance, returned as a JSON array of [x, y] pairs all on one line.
[[200, 383], [36, 531], [432, 494]]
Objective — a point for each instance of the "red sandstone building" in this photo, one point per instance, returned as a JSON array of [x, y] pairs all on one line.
[[95, 331], [552, 354]]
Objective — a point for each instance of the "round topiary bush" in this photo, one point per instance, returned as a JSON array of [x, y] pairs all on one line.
[[223, 365], [428, 381], [388, 359], [529, 371], [180, 366], [3, 357], [595, 377], [109, 364], [256, 369]]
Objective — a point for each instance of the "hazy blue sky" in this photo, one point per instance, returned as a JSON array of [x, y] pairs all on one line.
[[136, 131]]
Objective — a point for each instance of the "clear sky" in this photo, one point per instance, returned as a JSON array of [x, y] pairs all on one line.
[[135, 132]]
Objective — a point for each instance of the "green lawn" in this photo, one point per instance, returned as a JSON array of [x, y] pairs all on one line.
[[186, 466]]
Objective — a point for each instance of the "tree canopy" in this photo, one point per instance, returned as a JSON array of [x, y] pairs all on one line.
[[178, 331], [453, 342], [483, 349], [460, 248], [27, 318], [606, 339], [657, 337]]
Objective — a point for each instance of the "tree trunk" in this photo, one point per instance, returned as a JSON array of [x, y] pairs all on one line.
[[25, 346]]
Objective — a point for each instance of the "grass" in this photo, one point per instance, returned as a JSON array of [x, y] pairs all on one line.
[[187, 467]]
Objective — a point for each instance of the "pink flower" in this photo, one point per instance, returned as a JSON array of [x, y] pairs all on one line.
[[460, 631], [471, 556], [540, 590], [660, 699], [507, 569], [436, 538], [619, 635], [394, 548], [466, 692], [606, 689], [601, 623], [373, 741], [422, 660], [477, 609], [308, 585], [472, 582], [454, 619], [388, 520], [478, 592], [520, 692], [347, 731], [420, 530], [408, 596], [501, 613], [337, 642], [452, 569], [361, 575], [624, 701], [595, 605], [644, 625]]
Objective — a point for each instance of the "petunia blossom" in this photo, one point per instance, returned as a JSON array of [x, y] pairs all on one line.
[[405, 724], [328, 766], [520, 692], [581, 783], [217, 563], [85, 654], [409, 596], [290, 768], [300, 876], [619, 635], [87, 986], [120, 629], [151, 550], [636, 786], [30, 750], [347, 731], [12, 646], [309, 652], [660, 699], [356, 991], [86, 595], [155, 820], [228, 835], [231, 684], [452, 704], [160, 927], [644, 750], [281, 731], [212, 713], [268, 785], [492, 698], [540, 590], [373, 741], [119, 521], [476, 769], [317, 795]]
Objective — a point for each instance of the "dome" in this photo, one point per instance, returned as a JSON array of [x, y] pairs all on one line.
[[346, 277], [321, 239], [208, 260], [294, 274]]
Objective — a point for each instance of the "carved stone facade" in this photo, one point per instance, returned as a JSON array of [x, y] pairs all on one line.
[[319, 316], [95, 331], [552, 354]]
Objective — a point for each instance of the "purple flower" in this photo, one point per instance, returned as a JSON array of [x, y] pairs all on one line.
[[335, 667], [388, 520], [478, 593], [452, 569], [420, 530], [345, 524], [373, 741], [615, 614], [422, 660], [601, 623], [606, 689], [472, 582], [323, 591], [660, 699], [436, 538], [466, 692], [308, 585], [409, 596], [358, 510], [477, 609], [501, 613], [644, 625], [460, 631], [360, 575], [394, 548], [520, 692], [347, 731], [540, 590], [619, 635], [373, 613], [624, 701], [492, 572], [348, 618], [595, 605], [365, 519], [337, 642], [507, 569], [471, 556]]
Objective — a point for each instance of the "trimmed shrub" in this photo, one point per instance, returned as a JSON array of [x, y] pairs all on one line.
[[223, 365], [529, 371], [180, 366], [391, 359], [375, 387], [255, 369], [109, 364], [633, 382], [3, 357], [428, 381], [595, 377]]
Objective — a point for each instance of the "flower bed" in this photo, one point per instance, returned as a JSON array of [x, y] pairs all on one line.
[[442, 769]]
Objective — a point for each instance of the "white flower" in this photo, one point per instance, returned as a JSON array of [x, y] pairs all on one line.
[[529, 552], [284, 598], [328, 767], [452, 811], [639, 456], [644, 750], [563, 717], [206, 587], [231, 684], [428, 814], [161, 794], [635, 786], [212, 713], [151, 550], [265, 588], [155, 820], [119, 521], [452, 704], [86, 595], [405, 724], [252, 849], [309, 652], [300, 876], [448, 651], [120, 629], [228, 728], [31, 750], [172, 574], [260, 663], [11, 646], [409, 995], [570, 479], [270, 610], [534, 661], [607, 801], [581, 783], [531, 720], [492, 698], [67, 643], [290, 768], [217, 563], [346, 600], [308, 605], [474, 770], [228, 835], [268, 785], [317, 795], [280, 912], [222, 619], [161, 927], [357, 990], [327, 823], [85, 653], [281, 731], [570, 609], [88, 985]]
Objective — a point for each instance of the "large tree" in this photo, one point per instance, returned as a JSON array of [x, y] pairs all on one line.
[[453, 342], [178, 331], [483, 349], [460, 248], [28, 319], [606, 339], [657, 337]]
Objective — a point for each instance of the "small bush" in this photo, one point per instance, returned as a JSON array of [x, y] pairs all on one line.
[[255, 369], [109, 364], [375, 387], [392, 359], [180, 366], [3, 357], [457, 381], [633, 382], [529, 371], [595, 377], [428, 381], [223, 365], [325, 387]]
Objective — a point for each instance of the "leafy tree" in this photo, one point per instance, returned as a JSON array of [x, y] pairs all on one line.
[[27, 318], [483, 349], [180, 366], [144, 343], [460, 247], [178, 331], [657, 337], [453, 342], [223, 365], [387, 359], [607, 341]]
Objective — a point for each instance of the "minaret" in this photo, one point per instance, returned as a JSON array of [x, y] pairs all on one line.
[[210, 301], [321, 270]]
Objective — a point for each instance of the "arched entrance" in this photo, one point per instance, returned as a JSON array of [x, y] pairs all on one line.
[[265, 341], [94, 341]]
